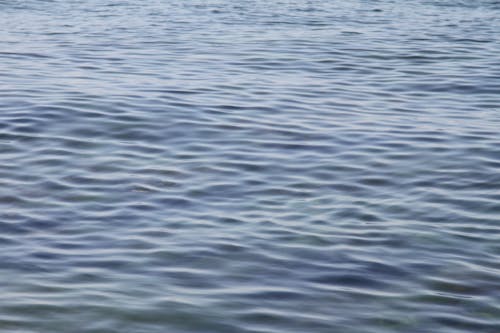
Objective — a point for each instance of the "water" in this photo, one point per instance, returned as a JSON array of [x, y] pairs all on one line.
[[250, 166]]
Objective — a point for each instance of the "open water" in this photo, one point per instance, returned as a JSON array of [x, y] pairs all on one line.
[[251, 166]]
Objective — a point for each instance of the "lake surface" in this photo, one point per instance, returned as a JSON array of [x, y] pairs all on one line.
[[250, 166]]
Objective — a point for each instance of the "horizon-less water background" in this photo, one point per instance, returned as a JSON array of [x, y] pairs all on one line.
[[250, 166]]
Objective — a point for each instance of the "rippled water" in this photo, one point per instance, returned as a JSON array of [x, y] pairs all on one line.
[[250, 166]]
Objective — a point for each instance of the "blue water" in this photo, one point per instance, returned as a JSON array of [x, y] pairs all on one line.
[[250, 166]]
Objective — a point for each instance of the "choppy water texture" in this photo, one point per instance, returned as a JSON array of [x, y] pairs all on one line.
[[250, 166]]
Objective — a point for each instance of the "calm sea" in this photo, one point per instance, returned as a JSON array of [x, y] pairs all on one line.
[[251, 166]]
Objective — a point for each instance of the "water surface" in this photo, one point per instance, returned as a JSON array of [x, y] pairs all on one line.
[[250, 166]]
